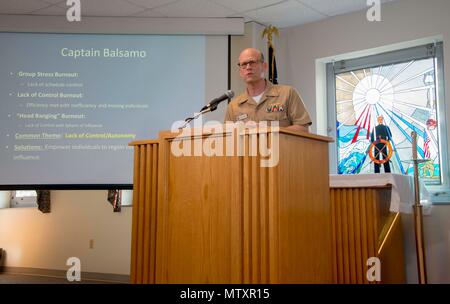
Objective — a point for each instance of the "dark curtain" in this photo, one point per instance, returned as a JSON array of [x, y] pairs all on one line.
[[43, 200]]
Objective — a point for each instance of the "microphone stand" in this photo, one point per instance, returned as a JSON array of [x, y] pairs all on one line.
[[189, 119]]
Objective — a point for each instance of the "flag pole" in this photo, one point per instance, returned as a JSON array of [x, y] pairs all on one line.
[[269, 32], [418, 216]]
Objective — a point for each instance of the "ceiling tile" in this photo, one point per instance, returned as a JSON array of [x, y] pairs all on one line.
[[56, 1], [110, 8], [242, 6], [285, 14], [281, 13], [194, 8], [337, 7], [151, 3], [20, 6], [50, 11], [149, 13]]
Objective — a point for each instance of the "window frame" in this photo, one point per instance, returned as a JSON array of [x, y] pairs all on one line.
[[439, 193], [129, 195]]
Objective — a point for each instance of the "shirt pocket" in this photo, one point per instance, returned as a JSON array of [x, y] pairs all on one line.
[[280, 116]]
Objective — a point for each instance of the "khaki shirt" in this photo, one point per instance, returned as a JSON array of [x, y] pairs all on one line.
[[278, 103]]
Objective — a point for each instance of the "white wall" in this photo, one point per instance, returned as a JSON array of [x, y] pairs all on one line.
[[302, 54], [437, 243], [216, 65], [37, 240], [4, 200]]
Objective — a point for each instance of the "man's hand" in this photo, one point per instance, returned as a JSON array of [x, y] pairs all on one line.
[[298, 128]]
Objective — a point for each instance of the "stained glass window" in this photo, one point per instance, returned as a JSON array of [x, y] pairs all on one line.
[[403, 97]]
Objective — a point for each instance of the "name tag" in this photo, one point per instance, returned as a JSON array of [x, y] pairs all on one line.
[[242, 117]]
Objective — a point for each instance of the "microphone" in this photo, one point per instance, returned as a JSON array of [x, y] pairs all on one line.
[[215, 102]]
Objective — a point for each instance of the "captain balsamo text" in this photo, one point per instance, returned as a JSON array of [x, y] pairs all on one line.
[[106, 53]]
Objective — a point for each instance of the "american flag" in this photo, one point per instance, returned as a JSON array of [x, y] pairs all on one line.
[[115, 198], [273, 73], [426, 145]]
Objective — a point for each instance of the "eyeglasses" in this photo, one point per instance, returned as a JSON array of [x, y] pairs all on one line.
[[251, 63]]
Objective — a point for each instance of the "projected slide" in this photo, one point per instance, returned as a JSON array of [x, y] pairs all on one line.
[[70, 104]]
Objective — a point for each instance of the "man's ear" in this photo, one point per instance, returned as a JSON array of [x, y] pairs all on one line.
[[264, 71]]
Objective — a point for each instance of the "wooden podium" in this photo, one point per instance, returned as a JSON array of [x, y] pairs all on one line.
[[364, 228], [227, 219]]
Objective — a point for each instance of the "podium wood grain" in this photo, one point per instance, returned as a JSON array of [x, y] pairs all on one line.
[[226, 219], [363, 228]]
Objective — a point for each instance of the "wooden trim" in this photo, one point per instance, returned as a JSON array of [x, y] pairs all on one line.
[[61, 274], [145, 189], [362, 187], [144, 142], [199, 132], [307, 135], [140, 220], [135, 214], [274, 224], [162, 213]]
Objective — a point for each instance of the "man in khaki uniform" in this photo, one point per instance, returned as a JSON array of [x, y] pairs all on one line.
[[264, 101]]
